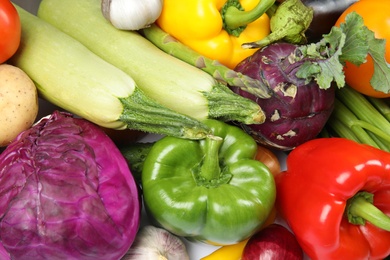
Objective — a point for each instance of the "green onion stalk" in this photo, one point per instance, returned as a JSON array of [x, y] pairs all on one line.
[[360, 118]]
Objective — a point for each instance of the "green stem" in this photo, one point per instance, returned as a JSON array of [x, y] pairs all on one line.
[[382, 143], [172, 46], [227, 107], [344, 115], [140, 112], [381, 105], [210, 168], [235, 17], [364, 111], [372, 129], [338, 128], [362, 108], [288, 23], [360, 209]]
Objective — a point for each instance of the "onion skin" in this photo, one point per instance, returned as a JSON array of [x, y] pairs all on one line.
[[273, 243], [297, 110]]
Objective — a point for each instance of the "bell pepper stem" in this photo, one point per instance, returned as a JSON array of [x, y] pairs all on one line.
[[234, 16], [209, 173], [210, 168], [360, 209]]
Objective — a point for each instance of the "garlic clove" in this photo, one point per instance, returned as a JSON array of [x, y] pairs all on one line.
[[156, 243]]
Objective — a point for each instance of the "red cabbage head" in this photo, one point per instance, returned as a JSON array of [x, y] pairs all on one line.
[[66, 192]]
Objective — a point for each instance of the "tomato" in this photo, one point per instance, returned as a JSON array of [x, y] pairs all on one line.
[[269, 158], [10, 30], [376, 16]]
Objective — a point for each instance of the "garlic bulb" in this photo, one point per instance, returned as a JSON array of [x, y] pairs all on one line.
[[156, 243], [131, 14]]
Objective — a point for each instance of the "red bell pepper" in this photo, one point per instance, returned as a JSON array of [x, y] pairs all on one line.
[[335, 197]]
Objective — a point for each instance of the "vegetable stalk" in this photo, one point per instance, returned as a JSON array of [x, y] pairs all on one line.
[[172, 46], [360, 118], [235, 18], [172, 82], [70, 76]]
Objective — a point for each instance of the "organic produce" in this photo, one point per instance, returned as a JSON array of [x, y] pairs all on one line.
[[18, 103], [10, 28], [217, 29], [288, 23], [70, 76], [335, 197], [273, 243], [156, 243], [172, 46], [325, 15], [170, 81], [360, 118], [131, 15], [211, 190], [66, 193], [303, 78], [361, 77]]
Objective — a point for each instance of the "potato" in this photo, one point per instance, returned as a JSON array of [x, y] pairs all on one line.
[[18, 103]]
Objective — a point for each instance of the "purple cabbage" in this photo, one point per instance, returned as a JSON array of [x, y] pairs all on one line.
[[297, 110], [66, 192]]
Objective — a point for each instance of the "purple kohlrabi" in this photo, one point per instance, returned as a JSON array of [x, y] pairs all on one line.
[[297, 110], [66, 192]]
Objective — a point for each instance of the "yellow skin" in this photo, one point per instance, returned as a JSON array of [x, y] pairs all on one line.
[[198, 24]]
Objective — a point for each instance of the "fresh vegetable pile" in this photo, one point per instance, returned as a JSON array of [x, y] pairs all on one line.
[[231, 89]]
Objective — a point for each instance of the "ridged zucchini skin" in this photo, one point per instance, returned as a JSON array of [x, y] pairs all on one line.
[[75, 79], [172, 82]]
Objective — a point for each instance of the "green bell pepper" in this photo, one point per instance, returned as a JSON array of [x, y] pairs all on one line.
[[210, 190]]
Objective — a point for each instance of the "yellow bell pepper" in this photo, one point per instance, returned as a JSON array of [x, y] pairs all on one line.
[[229, 252], [217, 28]]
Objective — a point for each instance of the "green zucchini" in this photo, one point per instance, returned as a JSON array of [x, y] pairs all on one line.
[[72, 77], [171, 81]]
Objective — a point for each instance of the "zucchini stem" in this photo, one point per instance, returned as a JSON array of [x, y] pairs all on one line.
[[141, 112]]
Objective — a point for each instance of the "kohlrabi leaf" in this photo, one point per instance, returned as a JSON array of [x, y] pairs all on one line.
[[323, 64], [381, 79], [351, 42], [361, 42], [356, 44]]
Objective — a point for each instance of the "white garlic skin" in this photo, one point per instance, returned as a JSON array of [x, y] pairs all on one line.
[[131, 14], [153, 243]]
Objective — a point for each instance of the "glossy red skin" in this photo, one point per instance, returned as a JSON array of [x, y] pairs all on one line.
[[273, 242], [312, 193], [10, 30]]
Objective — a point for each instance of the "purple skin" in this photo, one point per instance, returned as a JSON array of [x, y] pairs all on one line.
[[297, 111], [273, 242], [66, 192]]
